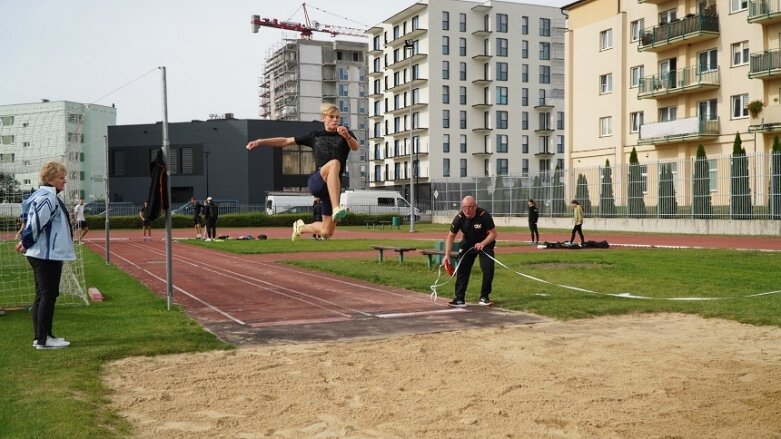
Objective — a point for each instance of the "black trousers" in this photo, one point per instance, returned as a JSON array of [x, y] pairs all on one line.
[[211, 228], [47, 288], [535, 232], [579, 229], [465, 271]]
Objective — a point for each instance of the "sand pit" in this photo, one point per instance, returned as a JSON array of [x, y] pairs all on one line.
[[649, 376]]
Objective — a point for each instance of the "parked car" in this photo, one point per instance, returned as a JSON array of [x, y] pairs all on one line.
[[297, 209]]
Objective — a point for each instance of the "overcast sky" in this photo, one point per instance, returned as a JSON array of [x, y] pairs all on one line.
[[108, 51]]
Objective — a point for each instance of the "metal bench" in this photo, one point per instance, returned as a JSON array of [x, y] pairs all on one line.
[[399, 250]]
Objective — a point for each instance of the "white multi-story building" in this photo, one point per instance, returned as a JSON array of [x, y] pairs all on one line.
[[302, 74], [73, 133], [476, 87]]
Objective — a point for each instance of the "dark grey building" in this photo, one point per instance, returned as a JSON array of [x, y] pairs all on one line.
[[233, 172]]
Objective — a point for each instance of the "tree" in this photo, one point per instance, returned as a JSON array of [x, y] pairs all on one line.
[[740, 190], [607, 202], [559, 206], [668, 205], [581, 194], [635, 199], [702, 207], [774, 199], [9, 189]]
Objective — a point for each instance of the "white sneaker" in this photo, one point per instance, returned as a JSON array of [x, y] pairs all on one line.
[[297, 226], [197, 236], [53, 343], [58, 339], [208, 239]]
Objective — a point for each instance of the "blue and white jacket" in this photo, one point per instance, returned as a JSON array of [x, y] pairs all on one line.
[[47, 233]]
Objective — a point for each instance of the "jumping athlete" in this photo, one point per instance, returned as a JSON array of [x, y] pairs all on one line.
[[479, 238], [331, 147]]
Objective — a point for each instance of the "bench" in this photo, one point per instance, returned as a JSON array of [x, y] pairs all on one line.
[[431, 254], [399, 250], [370, 223], [384, 223]]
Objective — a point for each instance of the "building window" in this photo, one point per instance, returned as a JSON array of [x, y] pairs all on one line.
[[462, 22], [462, 120], [740, 53], [525, 144], [462, 143], [462, 71], [462, 95], [445, 45], [544, 74], [446, 143], [713, 175], [740, 106], [707, 110], [524, 97], [6, 120], [462, 46], [445, 94], [524, 49], [415, 22], [525, 25], [501, 120], [10, 139], [501, 166], [635, 75], [501, 142], [462, 172], [524, 120], [605, 126], [544, 27], [501, 95], [606, 39], [524, 73], [544, 51], [560, 144], [635, 120], [446, 167], [445, 118], [667, 114], [501, 23], [559, 120], [738, 5], [501, 71], [668, 16], [606, 83], [445, 69], [525, 167], [445, 20], [708, 61], [636, 29], [501, 47]]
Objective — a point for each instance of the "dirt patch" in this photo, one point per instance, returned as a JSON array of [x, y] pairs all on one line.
[[612, 377]]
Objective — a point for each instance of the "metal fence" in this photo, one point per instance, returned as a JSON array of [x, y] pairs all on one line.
[[725, 187]]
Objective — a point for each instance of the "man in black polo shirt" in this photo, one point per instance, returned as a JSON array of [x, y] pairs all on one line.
[[479, 238]]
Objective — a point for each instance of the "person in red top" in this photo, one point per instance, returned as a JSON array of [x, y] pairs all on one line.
[[479, 238], [331, 147]]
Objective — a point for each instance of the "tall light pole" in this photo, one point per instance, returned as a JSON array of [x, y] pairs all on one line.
[[206, 153], [409, 44]]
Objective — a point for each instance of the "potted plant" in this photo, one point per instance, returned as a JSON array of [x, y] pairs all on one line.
[[755, 107]]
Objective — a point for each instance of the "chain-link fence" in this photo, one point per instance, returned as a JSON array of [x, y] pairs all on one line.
[[726, 187]]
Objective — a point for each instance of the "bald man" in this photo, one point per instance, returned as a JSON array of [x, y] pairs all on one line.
[[478, 238]]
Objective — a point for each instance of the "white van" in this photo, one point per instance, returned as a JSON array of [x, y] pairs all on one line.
[[375, 202], [279, 202]]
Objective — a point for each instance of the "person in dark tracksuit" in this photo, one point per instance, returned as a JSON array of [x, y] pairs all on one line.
[[479, 238], [534, 214], [210, 214]]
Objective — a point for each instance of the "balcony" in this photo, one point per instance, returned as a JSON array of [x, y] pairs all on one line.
[[482, 105], [482, 81], [544, 105], [403, 110], [482, 130], [687, 30], [482, 33], [405, 132], [547, 129], [405, 62], [681, 81], [691, 129], [765, 65], [406, 85], [486, 151], [764, 11], [544, 153], [767, 121], [417, 33], [482, 57]]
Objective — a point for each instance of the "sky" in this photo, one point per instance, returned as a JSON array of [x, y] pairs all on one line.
[[109, 51]]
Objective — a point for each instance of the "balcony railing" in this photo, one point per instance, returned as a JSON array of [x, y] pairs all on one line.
[[767, 121], [684, 31], [765, 64], [764, 11], [688, 79], [679, 130]]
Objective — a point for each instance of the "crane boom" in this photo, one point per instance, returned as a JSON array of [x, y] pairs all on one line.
[[305, 29]]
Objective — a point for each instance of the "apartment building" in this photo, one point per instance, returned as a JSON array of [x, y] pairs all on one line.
[[32, 134], [664, 76], [300, 75], [464, 89]]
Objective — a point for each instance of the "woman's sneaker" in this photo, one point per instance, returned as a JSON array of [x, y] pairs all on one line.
[[485, 301], [297, 226], [457, 303], [53, 343], [339, 214]]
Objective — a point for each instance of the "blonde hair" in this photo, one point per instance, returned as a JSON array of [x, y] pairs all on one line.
[[326, 109], [50, 171]]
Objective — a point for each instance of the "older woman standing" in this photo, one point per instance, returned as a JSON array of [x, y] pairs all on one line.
[[47, 242]]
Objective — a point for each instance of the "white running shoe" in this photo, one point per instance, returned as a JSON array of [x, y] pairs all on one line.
[[339, 214], [297, 226], [53, 343]]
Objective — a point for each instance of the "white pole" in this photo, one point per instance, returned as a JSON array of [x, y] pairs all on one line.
[[169, 277], [408, 44]]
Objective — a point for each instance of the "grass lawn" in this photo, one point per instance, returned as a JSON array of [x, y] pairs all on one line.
[[58, 394]]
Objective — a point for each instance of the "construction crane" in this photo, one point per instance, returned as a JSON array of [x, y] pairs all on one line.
[[306, 28]]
